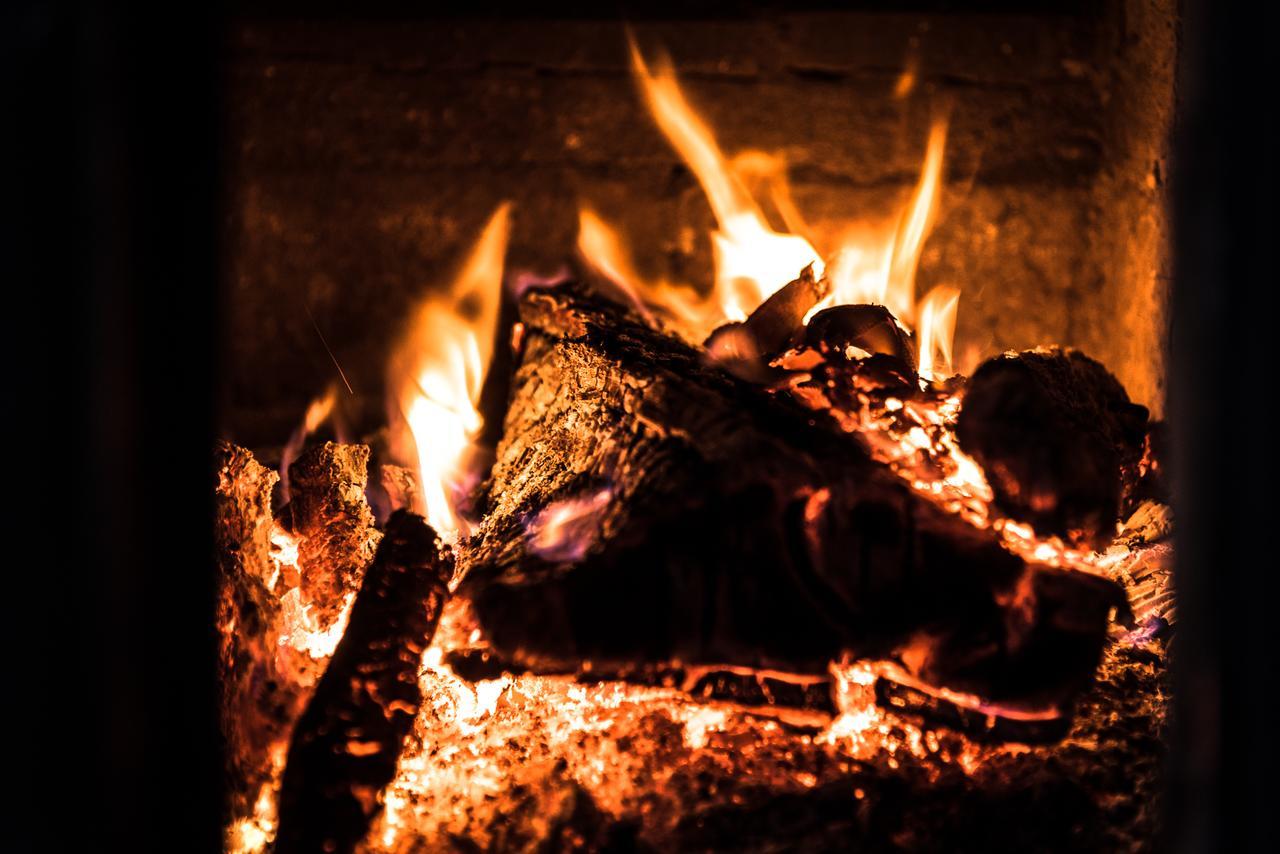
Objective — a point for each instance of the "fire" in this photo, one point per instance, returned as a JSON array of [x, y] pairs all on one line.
[[879, 267], [937, 331], [301, 630], [870, 264], [436, 374], [752, 260]]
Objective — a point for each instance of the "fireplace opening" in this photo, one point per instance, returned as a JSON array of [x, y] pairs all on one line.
[[716, 431], [697, 431]]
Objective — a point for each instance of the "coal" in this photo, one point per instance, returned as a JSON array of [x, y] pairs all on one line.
[[1058, 438], [346, 744]]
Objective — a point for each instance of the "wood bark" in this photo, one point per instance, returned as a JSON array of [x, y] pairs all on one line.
[[258, 701], [740, 528], [346, 744]]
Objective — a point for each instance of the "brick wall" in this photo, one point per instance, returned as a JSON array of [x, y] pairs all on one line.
[[365, 157]]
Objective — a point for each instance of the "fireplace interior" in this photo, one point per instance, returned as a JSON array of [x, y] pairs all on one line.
[[729, 558]]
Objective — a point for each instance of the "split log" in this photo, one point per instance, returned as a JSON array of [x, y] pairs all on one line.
[[334, 524], [1058, 438], [740, 528], [258, 702], [346, 744]]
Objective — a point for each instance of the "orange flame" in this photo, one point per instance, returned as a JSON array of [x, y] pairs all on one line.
[[937, 331], [870, 264], [436, 374], [872, 268], [603, 249], [752, 260]]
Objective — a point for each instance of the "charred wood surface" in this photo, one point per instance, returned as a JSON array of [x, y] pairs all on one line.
[[740, 529], [1058, 438], [259, 703], [346, 744], [333, 522], [744, 349], [869, 328]]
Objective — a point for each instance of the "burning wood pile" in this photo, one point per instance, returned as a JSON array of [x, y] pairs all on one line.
[[748, 569]]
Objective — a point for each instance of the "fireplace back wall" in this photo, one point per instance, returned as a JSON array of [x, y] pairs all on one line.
[[365, 157]]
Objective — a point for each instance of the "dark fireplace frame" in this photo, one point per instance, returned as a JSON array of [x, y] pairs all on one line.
[[116, 261]]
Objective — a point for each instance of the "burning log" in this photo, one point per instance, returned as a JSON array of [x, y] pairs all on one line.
[[740, 529], [1058, 438], [333, 522], [345, 746], [258, 701]]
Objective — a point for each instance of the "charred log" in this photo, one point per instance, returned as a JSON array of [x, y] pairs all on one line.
[[345, 746], [740, 529], [872, 329], [333, 522], [258, 702], [745, 348], [1058, 438]]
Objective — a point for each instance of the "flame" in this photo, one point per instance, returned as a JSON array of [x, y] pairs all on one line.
[[436, 375], [752, 260], [937, 331], [869, 267], [870, 263]]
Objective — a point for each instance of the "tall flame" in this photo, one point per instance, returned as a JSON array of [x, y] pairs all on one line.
[[937, 331], [868, 268], [436, 374], [870, 263], [752, 260]]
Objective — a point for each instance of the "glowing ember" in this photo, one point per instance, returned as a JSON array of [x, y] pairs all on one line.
[[436, 375]]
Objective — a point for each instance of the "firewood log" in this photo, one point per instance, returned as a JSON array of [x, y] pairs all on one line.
[[333, 522], [739, 528], [1058, 438], [258, 702], [346, 744]]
